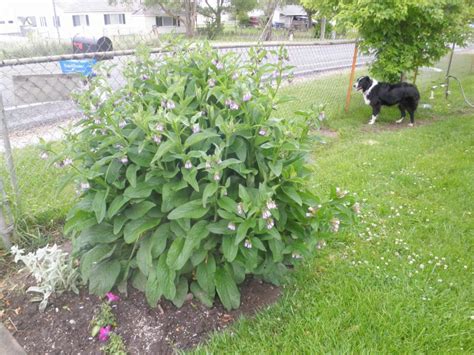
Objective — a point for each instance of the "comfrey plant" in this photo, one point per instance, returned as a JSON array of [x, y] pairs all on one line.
[[52, 269], [191, 182]]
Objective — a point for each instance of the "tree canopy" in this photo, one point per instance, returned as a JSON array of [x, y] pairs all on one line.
[[406, 34]]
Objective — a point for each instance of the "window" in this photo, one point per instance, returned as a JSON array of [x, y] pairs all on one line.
[[114, 19], [56, 22], [30, 21], [2, 22], [162, 21], [43, 21], [11, 21], [80, 20]]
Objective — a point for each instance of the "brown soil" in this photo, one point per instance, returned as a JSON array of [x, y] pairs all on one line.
[[64, 326]]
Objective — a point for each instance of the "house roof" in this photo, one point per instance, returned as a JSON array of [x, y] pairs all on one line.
[[81, 6], [150, 11], [293, 10]]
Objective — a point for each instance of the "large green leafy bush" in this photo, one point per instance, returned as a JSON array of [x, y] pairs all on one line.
[[189, 182]]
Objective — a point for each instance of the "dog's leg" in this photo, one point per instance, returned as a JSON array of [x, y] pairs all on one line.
[[412, 118], [375, 114], [403, 113]]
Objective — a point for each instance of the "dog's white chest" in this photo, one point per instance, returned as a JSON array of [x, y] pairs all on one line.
[[366, 100]]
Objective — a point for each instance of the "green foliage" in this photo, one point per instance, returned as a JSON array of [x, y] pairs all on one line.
[[115, 345], [406, 34], [191, 183], [102, 318]]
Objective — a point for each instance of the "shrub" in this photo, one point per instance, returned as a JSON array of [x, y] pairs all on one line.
[[189, 182]]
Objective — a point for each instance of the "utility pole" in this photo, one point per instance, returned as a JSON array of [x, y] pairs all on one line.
[[56, 21]]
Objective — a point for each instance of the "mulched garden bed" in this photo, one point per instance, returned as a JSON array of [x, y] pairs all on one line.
[[64, 326]]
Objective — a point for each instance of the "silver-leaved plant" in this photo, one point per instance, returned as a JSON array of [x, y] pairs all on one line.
[[52, 269]]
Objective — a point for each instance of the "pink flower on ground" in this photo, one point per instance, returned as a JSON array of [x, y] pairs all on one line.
[[112, 297], [104, 333]]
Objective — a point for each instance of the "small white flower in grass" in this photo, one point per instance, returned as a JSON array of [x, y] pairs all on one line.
[[321, 116], [335, 225], [159, 127], [240, 208], [217, 176], [472, 317], [271, 205], [122, 124], [211, 82], [270, 223], [44, 156], [170, 105], [235, 76], [308, 214], [296, 255], [157, 139], [266, 214], [231, 226], [248, 244], [196, 128], [67, 162], [85, 186], [188, 164], [356, 207], [124, 160], [247, 97], [208, 165], [340, 193], [422, 266], [262, 132]]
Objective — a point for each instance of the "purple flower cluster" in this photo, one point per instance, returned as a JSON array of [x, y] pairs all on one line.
[[247, 97], [232, 104]]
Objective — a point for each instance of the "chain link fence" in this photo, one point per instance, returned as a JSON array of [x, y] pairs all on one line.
[[36, 97]]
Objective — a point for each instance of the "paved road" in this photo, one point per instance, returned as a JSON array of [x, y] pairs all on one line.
[[307, 60]]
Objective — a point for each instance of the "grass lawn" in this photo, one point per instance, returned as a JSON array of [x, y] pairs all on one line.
[[399, 282]]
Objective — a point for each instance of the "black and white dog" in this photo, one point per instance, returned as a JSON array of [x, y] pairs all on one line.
[[376, 94]]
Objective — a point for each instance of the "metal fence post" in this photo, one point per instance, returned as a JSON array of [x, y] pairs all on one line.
[[351, 78], [5, 216], [449, 70], [8, 153]]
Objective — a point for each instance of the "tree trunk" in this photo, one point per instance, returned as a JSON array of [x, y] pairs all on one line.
[[267, 31], [189, 17], [323, 29], [310, 19]]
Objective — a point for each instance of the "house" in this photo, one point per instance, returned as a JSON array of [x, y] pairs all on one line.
[[67, 18], [291, 16], [286, 16]]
